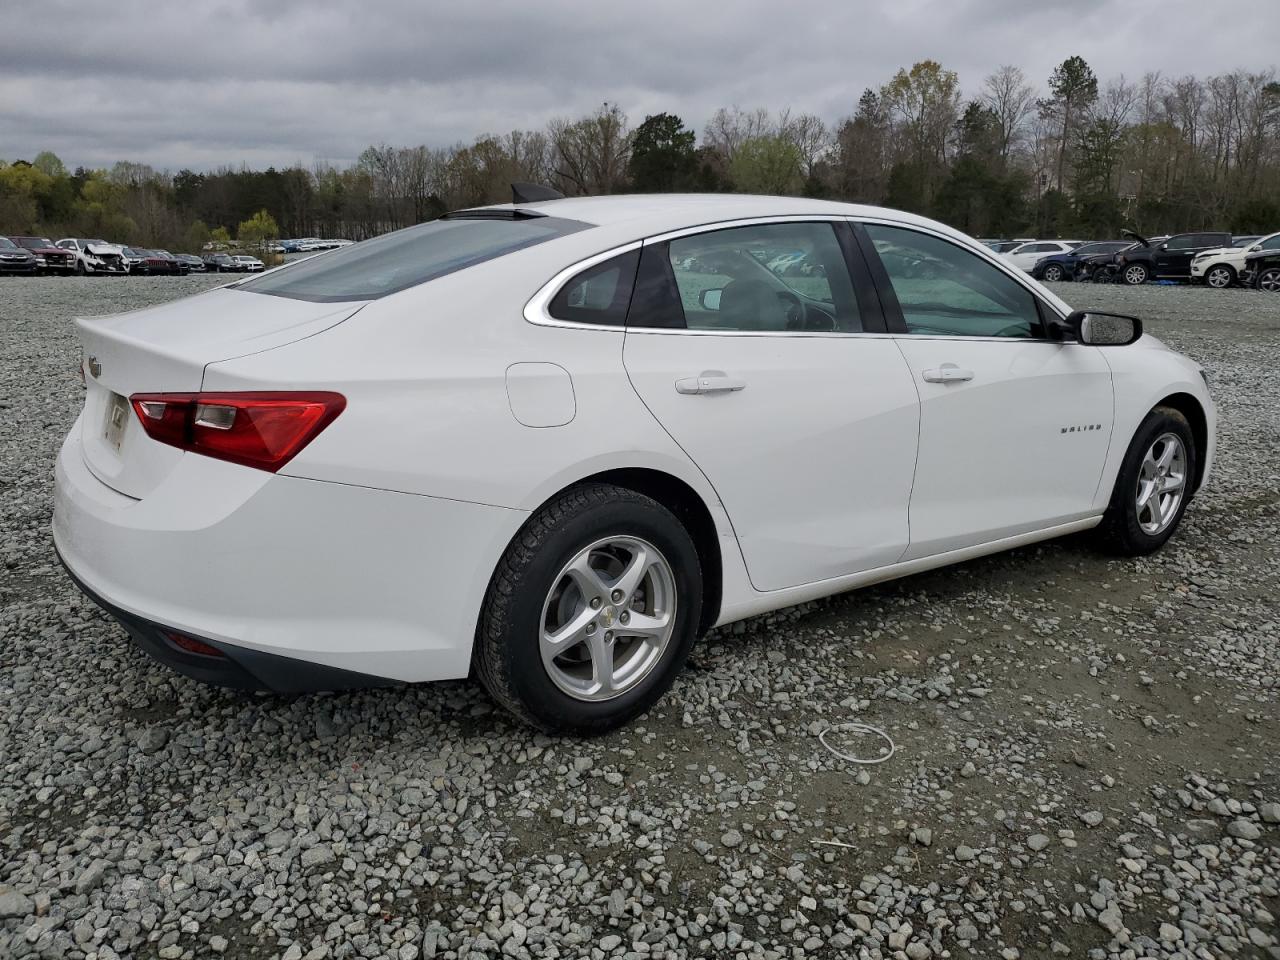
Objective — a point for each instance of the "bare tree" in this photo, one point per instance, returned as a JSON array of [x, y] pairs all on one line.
[[1007, 94], [810, 136], [729, 129], [591, 153]]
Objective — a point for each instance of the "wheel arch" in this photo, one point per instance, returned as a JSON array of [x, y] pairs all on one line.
[[689, 508], [1189, 406]]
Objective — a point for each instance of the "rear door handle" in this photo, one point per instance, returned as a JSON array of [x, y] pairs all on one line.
[[947, 373], [710, 381]]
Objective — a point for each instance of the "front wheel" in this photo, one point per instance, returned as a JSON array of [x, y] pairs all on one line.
[[1269, 280], [1154, 484], [1220, 277], [1135, 274], [1053, 273], [591, 612]]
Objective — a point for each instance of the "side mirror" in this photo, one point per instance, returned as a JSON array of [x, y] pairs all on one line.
[[1255, 248], [1164, 246], [710, 299], [1104, 329]]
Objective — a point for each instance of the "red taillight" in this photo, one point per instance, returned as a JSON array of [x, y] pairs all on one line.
[[192, 645], [262, 430]]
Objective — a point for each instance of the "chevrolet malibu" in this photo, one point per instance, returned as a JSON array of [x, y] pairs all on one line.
[[529, 442]]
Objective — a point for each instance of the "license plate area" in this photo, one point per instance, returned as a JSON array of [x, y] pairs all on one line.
[[117, 420]]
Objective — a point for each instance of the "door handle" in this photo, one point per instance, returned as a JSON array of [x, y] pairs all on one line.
[[710, 381], [947, 373]]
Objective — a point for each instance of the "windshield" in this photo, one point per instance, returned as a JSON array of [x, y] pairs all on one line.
[[34, 243], [406, 258], [7, 244]]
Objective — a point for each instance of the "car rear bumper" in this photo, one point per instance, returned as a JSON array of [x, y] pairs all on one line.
[[282, 574]]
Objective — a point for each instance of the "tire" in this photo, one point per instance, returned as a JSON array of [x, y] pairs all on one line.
[[1128, 529], [1135, 274], [1053, 273], [1269, 280], [1219, 277], [532, 595], [80, 270]]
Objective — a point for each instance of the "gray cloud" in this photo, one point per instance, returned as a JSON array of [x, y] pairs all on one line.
[[240, 81]]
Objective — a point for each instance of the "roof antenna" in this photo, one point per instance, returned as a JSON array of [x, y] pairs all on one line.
[[533, 192]]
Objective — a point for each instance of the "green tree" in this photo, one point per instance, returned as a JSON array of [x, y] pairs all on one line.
[[1073, 88], [196, 237], [220, 236], [663, 158], [48, 162], [255, 232], [768, 164], [924, 102]]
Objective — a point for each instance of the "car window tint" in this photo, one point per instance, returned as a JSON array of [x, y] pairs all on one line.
[[768, 277], [945, 290], [406, 258], [1272, 244], [1180, 243], [599, 294]]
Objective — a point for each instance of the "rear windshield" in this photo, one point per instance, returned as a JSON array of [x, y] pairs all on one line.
[[395, 261]]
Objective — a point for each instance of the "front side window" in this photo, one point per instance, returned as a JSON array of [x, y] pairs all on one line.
[[944, 290], [599, 294], [1180, 243], [772, 277], [406, 258], [1272, 243]]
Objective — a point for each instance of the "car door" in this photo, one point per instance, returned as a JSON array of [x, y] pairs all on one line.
[[1173, 257], [1014, 427], [766, 359]]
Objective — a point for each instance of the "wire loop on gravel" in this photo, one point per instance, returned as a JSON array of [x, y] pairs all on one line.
[[855, 726]]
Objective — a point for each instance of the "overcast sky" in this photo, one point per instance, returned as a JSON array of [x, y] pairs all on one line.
[[205, 83]]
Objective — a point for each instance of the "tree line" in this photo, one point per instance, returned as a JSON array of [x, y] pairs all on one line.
[[1076, 157]]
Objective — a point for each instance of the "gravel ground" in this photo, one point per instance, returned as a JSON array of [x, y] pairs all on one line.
[[1087, 749]]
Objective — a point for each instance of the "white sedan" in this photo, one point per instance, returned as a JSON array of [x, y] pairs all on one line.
[[532, 440], [1027, 255]]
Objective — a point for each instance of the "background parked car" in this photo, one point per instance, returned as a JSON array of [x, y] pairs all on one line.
[[171, 263], [194, 263], [95, 256], [249, 264], [221, 263], [1170, 259], [15, 259], [1064, 266], [1221, 267], [1262, 269], [139, 261], [1025, 256], [50, 258]]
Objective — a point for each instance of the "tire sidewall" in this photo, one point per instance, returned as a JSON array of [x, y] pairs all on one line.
[[1123, 507], [1053, 274], [1146, 274], [646, 520]]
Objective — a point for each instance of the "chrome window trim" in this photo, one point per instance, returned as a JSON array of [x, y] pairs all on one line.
[[536, 310]]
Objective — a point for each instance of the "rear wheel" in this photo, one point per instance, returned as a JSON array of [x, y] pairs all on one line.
[[1269, 280], [591, 612], [1220, 277], [1135, 274], [1053, 273], [1153, 486]]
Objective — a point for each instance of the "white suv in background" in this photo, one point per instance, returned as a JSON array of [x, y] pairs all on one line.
[[1220, 268], [1028, 255]]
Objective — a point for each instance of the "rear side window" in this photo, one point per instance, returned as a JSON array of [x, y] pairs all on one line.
[[395, 261], [599, 294]]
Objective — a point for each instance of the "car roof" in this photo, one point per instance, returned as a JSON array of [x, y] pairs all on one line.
[[657, 212]]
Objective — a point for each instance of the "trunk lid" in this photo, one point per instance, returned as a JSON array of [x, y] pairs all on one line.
[[165, 349]]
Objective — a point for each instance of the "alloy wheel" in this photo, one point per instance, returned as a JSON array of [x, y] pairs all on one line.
[[1135, 275], [1053, 274], [1269, 280], [1218, 277], [1162, 482], [608, 618]]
